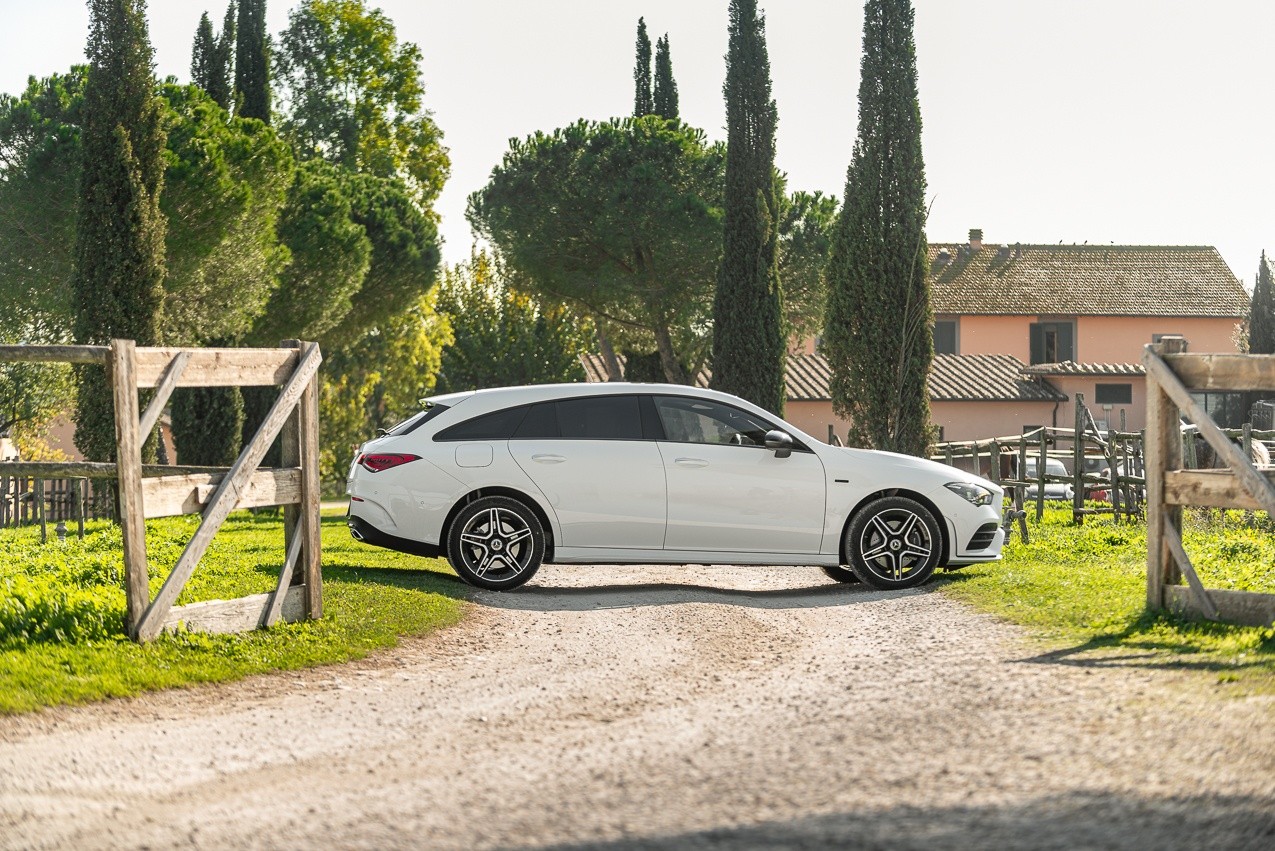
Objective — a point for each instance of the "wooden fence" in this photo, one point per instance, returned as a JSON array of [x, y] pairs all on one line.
[[146, 491], [1103, 464], [1107, 464], [26, 501], [1172, 375]]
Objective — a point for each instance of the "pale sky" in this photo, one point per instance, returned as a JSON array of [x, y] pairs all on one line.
[[1045, 121]]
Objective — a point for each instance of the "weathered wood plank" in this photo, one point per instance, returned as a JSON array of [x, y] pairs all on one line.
[[1174, 540], [163, 391], [285, 582], [96, 469], [1258, 486], [311, 564], [54, 354], [231, 616], [218, 367], [167, 496], [122, 372], [1224, 372], [1163, 447], [1211, 488], [226, 495], [1243, 607]]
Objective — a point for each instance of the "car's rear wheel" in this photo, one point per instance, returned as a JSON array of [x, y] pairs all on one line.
[[840, 574], [893, 542], [496, 543]]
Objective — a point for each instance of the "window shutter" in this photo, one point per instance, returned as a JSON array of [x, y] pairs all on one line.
[[1066, 341]]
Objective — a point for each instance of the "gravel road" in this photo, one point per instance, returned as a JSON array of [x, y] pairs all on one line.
[[654, 707]]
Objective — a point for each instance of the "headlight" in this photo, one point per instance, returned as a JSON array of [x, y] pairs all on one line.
[[971, 493]]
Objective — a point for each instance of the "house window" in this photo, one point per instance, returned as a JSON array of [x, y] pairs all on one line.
[[1113, 394], [1053, 342], [945, 337]]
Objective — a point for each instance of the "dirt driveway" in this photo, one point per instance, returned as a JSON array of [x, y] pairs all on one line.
[[665, 708]]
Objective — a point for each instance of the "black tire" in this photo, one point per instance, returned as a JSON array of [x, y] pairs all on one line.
[[841, 574], [496, 543], [893, 542]]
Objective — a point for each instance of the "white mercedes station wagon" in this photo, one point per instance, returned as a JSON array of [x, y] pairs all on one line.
[[503, 480]]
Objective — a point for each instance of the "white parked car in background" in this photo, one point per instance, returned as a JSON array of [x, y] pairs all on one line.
[[502, 480], [1053, 490]]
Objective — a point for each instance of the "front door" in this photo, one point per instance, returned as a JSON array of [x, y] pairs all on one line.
[[727, 492]]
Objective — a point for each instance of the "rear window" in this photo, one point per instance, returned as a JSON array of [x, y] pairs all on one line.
[[498, 425], [415, 421]]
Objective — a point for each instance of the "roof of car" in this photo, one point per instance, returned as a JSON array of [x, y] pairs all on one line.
[[493, 399]]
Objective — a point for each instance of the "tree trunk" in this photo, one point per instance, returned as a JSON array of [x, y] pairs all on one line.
[[614, 373], [673, 371]]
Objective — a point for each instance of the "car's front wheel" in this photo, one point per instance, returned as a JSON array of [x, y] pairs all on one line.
[[893, 542], [496, 543]]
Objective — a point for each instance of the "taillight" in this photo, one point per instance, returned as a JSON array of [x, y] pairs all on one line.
[[375, 462]]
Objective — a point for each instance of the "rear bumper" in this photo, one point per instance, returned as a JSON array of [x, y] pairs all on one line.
[[361, 530]]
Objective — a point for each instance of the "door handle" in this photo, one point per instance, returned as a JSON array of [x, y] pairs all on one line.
[[691, 462], [548, 459]]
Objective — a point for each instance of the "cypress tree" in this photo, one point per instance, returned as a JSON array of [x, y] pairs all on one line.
[[1261, 312], [119, 245], [748, 339], [642, 102], [252, 94], [206, 425], [207, 421], [877, 336], [252, 80], [210, 61], [223, 88], [665, 99], [203, 55]]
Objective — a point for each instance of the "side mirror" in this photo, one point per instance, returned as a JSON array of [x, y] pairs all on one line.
[[779, 441]]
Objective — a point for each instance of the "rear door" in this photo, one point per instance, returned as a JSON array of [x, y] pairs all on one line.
[[604, 479]]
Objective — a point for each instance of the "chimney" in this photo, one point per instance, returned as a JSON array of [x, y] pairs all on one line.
[[976, 239]]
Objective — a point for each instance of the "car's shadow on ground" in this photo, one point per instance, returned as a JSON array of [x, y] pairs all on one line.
[[551, 598]]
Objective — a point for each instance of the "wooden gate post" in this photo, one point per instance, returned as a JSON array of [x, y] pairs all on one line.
[[122, 369], [300, 448], [1162, 451]]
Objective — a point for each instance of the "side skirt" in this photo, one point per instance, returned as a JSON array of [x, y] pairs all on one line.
[[606, 555]]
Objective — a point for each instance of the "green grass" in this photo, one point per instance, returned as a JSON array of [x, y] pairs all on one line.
[[62, 609], [1083, 590]]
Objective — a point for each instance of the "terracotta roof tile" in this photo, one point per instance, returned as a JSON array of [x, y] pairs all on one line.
[[1071, 368], [986, 378], [1086, 280], [953, 378]]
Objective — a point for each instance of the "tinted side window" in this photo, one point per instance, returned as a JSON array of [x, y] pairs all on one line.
[[541, 421], [690, 420], [600, 418], [498, 425]]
